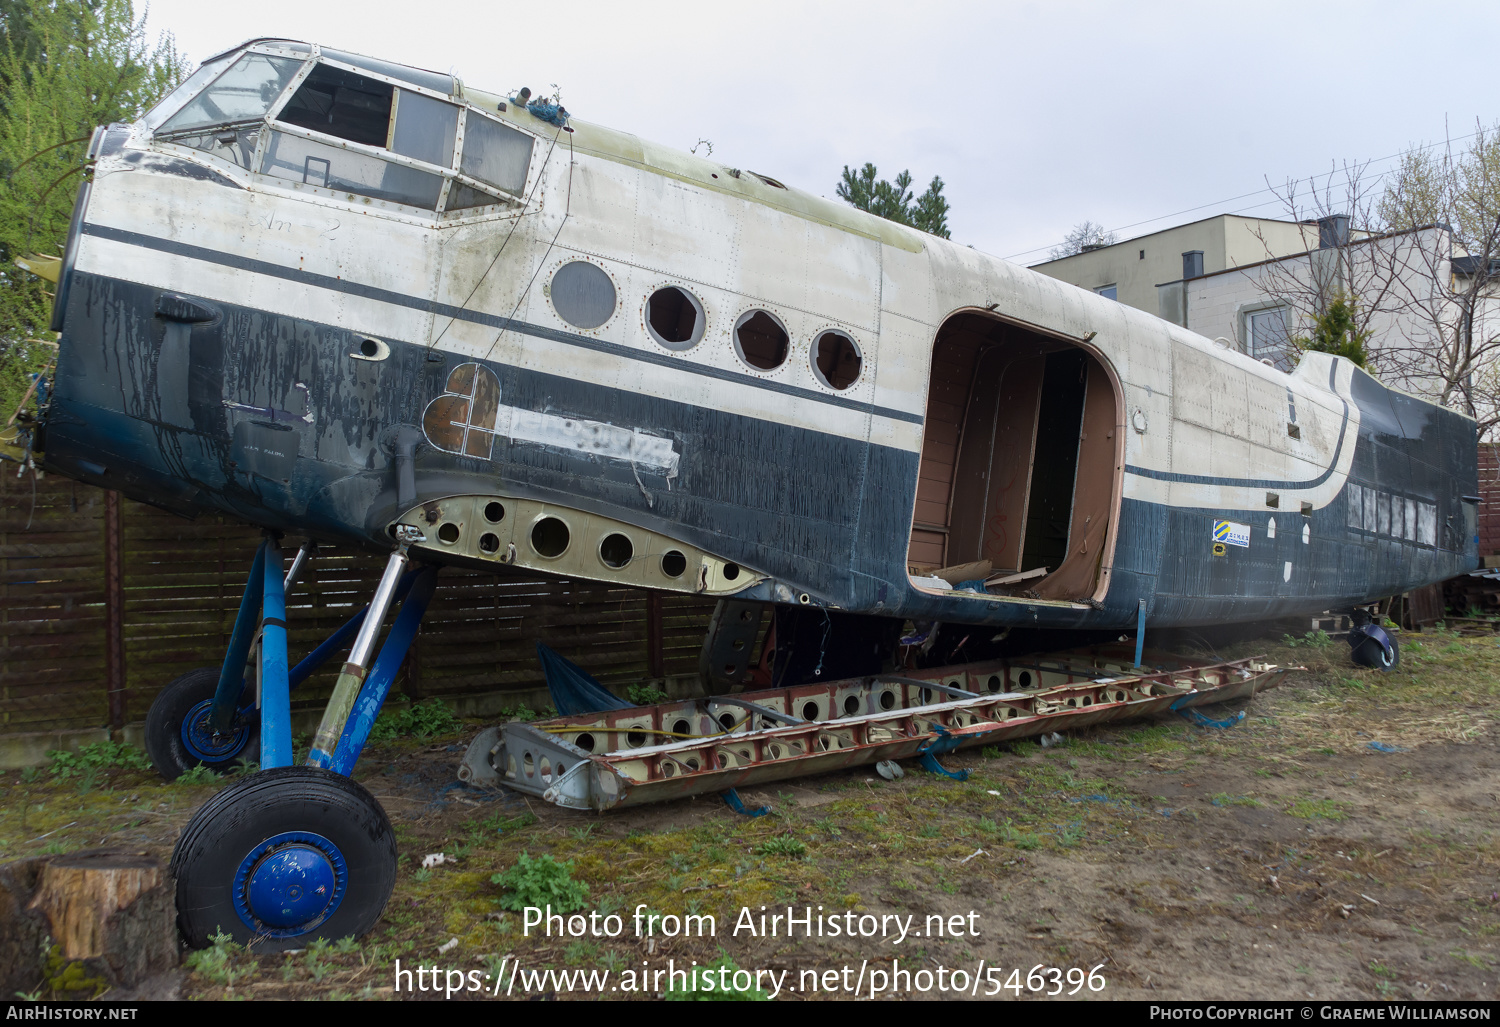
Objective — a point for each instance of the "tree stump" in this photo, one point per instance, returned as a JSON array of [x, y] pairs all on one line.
[[87, 921]]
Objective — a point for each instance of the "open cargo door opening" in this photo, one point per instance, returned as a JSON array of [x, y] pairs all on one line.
[[1020, 475]]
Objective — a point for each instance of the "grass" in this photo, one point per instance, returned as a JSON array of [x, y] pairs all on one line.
[[868, 846]]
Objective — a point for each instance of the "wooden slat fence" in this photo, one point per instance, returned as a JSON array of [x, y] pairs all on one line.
[[179, 590]]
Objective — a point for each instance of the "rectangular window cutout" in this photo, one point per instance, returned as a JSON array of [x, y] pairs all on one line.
[[1293, 431], [296, 159], [1355, 500], [1273, 500], [1306, 509], [343, 104]]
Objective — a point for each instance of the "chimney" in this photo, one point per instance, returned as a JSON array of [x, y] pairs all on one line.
[[1192, 264], [1333, 231]]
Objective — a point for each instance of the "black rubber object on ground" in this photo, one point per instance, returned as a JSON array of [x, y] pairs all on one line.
[[1370, 653], [169, 753], [222, 836]]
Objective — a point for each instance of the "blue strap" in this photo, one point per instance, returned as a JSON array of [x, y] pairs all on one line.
[[930, 763], [733, 801], [944, 742], [1193, 715]]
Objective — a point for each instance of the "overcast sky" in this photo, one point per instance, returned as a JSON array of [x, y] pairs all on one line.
[[1036, 115]]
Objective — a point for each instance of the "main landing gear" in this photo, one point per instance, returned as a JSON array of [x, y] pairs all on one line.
[[288, 853]]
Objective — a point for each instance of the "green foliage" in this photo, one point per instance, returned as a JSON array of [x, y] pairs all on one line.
[[645, 695], [64, 69], [521, 712], [199, 775], [1335, 331], [96, 757], [711, 972], [540, 882], [1319, 639], [893, 200], [419, 720], [1316, 809], [217, 962], [782, 845]]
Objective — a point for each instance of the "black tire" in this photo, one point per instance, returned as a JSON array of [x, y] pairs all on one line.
[[170, 752], [236, 832], [1370, 653]]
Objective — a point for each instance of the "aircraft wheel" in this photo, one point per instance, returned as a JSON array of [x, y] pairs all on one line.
[[178, 737], [282, 857], [1370, 653]]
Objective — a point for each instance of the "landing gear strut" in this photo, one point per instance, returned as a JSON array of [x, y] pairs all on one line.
[[287, 854]]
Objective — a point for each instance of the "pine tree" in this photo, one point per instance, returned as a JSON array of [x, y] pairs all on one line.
[[66, 66], [1335, 331], [893, 200]]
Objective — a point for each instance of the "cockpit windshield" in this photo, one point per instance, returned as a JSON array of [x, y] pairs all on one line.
[[346, 127], [243, 93]]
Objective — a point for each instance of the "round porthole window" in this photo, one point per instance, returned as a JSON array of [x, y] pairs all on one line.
[[582, 294], [675, 318], [836, 360], [761, 340]]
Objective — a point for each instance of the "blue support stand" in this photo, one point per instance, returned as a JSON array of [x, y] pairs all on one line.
[[275, 687], [1140, 631], [377, 683], [232, 677]]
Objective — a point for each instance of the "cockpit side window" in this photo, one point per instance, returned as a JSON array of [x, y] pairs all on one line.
[[495, 154], [425, 128], [340, 103]]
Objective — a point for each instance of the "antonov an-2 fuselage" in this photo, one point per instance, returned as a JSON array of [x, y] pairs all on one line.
[[329, 295]]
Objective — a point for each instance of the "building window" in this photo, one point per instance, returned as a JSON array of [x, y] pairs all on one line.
[[1267, 337], [1109, 292]]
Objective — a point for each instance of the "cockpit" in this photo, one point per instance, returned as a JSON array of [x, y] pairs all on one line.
[[343, 124]]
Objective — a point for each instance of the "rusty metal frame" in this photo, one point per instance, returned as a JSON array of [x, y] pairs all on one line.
[[672, 750]]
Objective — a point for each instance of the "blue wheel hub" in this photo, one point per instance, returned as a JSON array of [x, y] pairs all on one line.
[[290, 884], [199, 739]]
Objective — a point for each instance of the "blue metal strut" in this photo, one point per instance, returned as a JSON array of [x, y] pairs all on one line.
[[275, 688], [232, 676], [377, 684]]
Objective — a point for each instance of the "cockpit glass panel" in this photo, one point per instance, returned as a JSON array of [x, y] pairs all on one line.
[[400, 72], [170, 103], [425, 128], [462, 197], [295, 159], [340, 103], [243, 93], [495, 154]]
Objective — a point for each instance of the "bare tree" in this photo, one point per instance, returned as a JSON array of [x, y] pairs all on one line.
[[1085, 236], [1448, 200], [1349, 266]]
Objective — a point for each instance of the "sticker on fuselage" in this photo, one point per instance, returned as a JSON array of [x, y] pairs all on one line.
[[1232, 534]]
